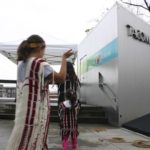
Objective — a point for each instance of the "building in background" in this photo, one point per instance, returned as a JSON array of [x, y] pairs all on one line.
[[9, 92], [113, 62]]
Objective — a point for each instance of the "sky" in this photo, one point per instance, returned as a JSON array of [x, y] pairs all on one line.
[[64, 20], [57, 21]]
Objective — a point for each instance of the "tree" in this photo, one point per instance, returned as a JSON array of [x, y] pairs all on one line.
[[139, 7], [146, 4]]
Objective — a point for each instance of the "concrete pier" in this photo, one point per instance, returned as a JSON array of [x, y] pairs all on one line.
[[92, 137]]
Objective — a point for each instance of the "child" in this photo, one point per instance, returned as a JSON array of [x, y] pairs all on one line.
[[32, 106], [69, 105]]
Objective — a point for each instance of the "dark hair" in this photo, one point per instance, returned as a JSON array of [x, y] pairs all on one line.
[[71, 80], [71, 75], [29, 46]]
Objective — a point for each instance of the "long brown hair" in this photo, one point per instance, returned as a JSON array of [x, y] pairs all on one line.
[[29, 46], [71, 75], [71, 78]]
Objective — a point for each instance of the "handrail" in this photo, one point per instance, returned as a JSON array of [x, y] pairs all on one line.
[[101, 86], [8, 81]]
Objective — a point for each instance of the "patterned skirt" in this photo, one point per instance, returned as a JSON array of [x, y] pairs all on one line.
[[69, 120]]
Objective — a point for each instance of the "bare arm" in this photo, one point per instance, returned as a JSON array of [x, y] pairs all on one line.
[[61, 76]]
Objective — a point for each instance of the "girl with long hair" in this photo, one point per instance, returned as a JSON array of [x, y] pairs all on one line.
[[32, 116], [69, 106]]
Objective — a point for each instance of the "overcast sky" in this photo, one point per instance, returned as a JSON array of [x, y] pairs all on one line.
[[64, 20], [57, 21]]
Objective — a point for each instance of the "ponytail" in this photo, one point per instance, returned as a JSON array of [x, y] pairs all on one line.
[[23, 51]]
